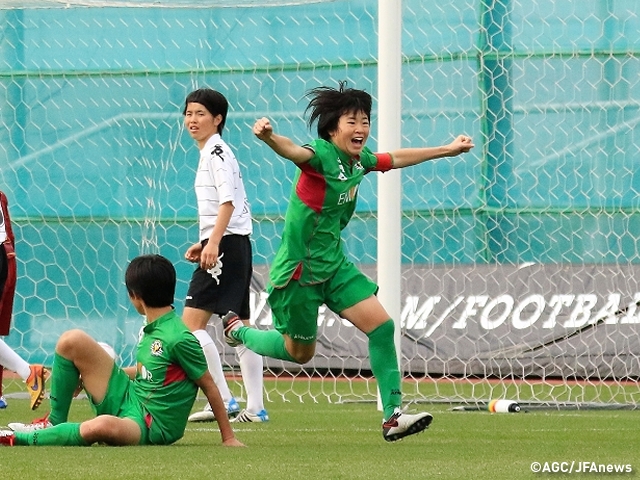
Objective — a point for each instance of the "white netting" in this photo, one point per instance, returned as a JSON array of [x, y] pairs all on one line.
[[519, 260], [31, 4]]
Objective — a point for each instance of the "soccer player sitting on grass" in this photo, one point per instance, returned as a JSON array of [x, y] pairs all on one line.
[[141, 405], [310, 267]]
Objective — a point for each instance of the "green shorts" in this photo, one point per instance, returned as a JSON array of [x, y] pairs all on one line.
[[295, 307], [121, 401]]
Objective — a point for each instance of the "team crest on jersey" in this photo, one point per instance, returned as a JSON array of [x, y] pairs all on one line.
[[216, 270], [156, 348]]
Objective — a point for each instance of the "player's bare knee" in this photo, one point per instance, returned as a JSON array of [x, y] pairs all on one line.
[[298, 351], [69, 341], [303, 355], [96, 430]]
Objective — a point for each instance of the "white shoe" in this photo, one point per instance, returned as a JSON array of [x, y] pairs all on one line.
[[246, 416], [206, 414], [401, 424], [38, 424]]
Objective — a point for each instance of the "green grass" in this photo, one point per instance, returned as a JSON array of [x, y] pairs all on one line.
[[343, 441]]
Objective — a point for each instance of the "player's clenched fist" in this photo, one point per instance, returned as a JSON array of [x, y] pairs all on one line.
[[462, 144], [262, 128]]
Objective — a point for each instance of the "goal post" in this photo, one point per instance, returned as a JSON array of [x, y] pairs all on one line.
[[390, 185], [514, 272]]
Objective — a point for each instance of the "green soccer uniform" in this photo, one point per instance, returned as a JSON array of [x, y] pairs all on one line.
[[323, 199], [159, 398], [169, 358], [311, 267]]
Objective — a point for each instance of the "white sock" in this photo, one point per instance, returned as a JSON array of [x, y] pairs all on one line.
[[12, 361], [213, 362], [251, 369]]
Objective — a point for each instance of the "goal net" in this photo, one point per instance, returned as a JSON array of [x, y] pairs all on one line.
[[519, 259]]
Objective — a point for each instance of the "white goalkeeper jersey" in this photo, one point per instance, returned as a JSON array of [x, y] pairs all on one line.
[[218, 180]]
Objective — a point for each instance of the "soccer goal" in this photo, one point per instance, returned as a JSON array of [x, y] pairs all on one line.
[[519, 261]]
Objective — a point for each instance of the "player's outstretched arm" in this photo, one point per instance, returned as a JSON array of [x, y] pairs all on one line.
[[280, 144], [212, 393], [406, 157]]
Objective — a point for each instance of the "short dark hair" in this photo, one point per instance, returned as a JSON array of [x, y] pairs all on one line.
[[328, 104], [153, 279], [213, 101]]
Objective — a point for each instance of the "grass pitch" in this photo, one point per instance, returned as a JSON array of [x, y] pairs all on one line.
[[344, 441]]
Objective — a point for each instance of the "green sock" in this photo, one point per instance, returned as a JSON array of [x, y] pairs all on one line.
[[268, 343], [384, 365], [64, 380], [65, 434]]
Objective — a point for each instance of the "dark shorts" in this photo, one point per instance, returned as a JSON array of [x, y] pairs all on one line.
[[227, 287]]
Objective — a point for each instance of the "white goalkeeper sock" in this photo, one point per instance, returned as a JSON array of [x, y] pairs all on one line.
[[12, 361], [213, 362], [251, 365]]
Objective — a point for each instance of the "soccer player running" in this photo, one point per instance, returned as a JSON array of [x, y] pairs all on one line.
[[33, 375], [222, 279], [147, 404], [310, 267]]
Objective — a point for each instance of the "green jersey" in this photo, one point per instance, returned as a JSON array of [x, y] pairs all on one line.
[[323, 199], [169, 359]]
